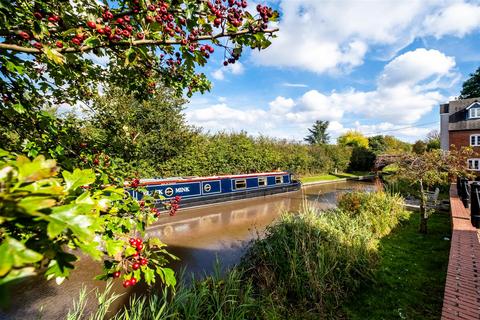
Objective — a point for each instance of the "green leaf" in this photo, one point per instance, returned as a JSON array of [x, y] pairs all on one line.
[[170, 279], [54, 55], [78, 178], [70, 216], [13, 253], [130, 251], [18, 108], [35, 170], [114, 247], [60, 266], [33, 204], [149, 275]]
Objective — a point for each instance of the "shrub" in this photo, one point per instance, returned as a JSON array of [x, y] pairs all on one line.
[[314, 260]]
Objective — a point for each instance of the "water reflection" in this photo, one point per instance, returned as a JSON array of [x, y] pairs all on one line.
[[197, 235]]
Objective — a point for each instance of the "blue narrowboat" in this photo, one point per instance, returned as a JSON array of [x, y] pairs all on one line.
[[195, 191]]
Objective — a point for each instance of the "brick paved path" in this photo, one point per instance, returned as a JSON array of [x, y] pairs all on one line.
[[462, 287]]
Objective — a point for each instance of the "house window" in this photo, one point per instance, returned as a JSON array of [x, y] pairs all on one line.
[[278, 180], [240, 184], [474, 164], [262, 182], [475, 140], [474, 113]]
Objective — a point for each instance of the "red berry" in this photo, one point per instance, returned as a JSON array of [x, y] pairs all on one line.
[[76, 41], [148, 19], [126, 18], [96, 161], [24, 35], [126, 33], [59, 44], [108, 30], [217, 22], [135, 266], [138, 241], [120, 21], [139, 247], [101, 31], [225, 63], [127, 283], [143, 261], [37, 45], [116, 274], [151, 7], [133, 281], [132, 242], [38, 15], [91, 24]]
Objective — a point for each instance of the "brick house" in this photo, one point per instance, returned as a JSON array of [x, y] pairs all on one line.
[[460, 126]]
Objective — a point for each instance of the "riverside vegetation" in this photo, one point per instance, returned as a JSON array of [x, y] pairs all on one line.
[[306, 266]]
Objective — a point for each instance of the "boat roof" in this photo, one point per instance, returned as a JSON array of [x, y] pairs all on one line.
[[208, 178]]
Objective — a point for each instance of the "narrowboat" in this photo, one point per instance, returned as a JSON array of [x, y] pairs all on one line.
[[195, 191]]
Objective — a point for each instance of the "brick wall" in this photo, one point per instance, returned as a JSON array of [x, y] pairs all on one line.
[[462, 287], [462, 138]]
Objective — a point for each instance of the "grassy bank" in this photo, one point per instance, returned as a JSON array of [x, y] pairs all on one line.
[[411, 274], [331, 176], [342, 263]]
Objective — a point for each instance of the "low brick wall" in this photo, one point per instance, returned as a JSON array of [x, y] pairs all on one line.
[[462, 287]]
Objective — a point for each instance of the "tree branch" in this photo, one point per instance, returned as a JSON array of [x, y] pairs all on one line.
[[135, 43]]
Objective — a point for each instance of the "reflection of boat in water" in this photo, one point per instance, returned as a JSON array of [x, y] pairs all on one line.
[[196, 191]]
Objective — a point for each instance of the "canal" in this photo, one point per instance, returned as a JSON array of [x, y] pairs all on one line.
[[198, 236]]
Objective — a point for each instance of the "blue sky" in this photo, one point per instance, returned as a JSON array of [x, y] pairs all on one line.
[[380, 67]]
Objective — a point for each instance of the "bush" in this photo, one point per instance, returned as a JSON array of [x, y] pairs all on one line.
[[313, 261]]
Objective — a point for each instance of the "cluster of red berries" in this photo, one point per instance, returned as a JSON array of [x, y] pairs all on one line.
[[233, 13], [265, 12], [137, 261], [174, 205], [135, 183]]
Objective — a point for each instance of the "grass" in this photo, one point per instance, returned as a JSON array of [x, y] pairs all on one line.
[[410, 278], [331, 176]]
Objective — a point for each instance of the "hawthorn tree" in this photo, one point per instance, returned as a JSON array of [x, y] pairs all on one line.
[[55, 53], [353, 139], [429, 169]]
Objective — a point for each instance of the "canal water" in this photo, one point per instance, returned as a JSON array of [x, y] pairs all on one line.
[[198, 236]]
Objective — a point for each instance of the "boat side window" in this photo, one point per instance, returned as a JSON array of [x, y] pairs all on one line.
[[262, 182], [278, 180], [240, 184]]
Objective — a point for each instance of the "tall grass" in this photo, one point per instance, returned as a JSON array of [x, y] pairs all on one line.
[[305, 266], [310, 262]]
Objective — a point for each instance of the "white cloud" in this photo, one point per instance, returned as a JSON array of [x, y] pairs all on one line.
[[237, 68], [334, 36], [407, 89], [457, 19], [294, 85]]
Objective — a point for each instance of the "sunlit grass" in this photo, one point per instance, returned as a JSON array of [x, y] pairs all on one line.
[[331, 176]]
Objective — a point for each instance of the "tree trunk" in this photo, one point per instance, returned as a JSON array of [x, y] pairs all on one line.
[[423, 210]]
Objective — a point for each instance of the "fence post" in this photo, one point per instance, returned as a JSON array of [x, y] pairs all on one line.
[[475, 204]]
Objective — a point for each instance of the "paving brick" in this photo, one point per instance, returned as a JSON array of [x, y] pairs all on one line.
[[462, 285]]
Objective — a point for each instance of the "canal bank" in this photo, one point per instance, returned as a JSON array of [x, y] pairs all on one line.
[[369, 177], [197, 235]]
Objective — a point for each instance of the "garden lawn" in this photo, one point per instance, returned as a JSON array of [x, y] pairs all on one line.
[[411, 276], [331, 177]]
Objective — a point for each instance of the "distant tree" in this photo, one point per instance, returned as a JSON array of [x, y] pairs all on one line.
[[471, 87], [353, 139], [433, 140], [419, 147], [395, 145], [318, 133], [377, 144]]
